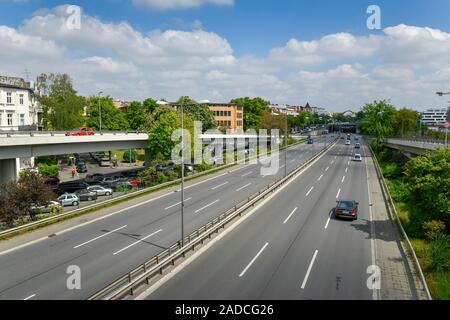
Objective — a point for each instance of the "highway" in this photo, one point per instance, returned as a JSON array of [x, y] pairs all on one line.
[[112, 246], [292, 247]]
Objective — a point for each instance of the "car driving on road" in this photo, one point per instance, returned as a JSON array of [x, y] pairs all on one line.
[[81, 132], [357, 157], [346, 209], [347, 143]]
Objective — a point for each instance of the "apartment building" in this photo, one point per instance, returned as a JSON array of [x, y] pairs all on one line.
[[19, 110], [228, 116], [434, 117]]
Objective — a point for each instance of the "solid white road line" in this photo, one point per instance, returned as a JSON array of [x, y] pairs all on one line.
[[177, 204], [343, 179], [30, 297], [99, 237], [328, 168], [310, 190], [253, 260], [207, 206], [339, 192], [139, 241], [242, 188], [309, 269], [320, 178], [220, 185], [289, 217], [247, 174]]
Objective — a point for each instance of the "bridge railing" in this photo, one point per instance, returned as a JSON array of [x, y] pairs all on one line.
[[12, 134], [419, 139]]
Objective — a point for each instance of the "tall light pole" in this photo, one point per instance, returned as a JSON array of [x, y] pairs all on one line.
[[448, 117], [182, 173], [100, 111], [285, 144]]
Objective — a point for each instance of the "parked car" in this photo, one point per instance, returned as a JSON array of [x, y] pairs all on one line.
[[69, 199], [109, 181], [95, 178], [346, 209], [357, 157], [86, 195], [81, 132], [71, 187], [100, 190], [52, 182], [104, 162], [50, 207], [81, 167]]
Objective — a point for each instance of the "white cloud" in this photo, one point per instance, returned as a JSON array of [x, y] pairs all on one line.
[[180, 4], [339, 71]]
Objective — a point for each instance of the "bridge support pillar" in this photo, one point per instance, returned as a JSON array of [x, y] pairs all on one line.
[[9, 170]]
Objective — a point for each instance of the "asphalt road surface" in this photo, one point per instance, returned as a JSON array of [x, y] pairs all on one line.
[[292, 247], [108, 248]]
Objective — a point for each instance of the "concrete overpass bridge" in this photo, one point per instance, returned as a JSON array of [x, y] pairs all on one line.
[[17, 146], [413, 147]]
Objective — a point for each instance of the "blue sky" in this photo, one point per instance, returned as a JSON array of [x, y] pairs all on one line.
[[255, 41]]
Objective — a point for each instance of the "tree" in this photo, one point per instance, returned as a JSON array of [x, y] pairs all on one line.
[[112, 118], [152, 118], [406, 122], [63, 108], [18, 199], [149, 105], [254, 110], [428, 178], [135, 115], [161, 133], [378, 119]]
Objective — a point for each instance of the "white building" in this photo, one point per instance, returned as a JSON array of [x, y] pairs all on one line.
[[434, 117], [18, 108]]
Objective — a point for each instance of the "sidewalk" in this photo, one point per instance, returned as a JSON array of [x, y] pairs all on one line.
[[399, 279]]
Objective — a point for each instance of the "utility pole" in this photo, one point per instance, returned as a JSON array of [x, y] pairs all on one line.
[[285, 144], [448, 117]]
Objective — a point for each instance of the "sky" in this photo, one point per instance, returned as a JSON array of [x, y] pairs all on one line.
[[285, 51]]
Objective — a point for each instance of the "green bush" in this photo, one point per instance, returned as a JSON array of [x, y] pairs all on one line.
[[130, 156], [433, 229], [399, 190], [48, 171], [440, 253], [47, 160]]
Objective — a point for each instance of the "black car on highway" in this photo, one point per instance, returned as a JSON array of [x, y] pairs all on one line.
[[346, 209]]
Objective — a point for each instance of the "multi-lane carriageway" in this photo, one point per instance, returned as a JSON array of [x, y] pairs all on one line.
[[109, 247], [291, 247]]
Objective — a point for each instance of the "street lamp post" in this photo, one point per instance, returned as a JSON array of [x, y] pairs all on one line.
[[182, 173], [448, 117], [285, 144], [100, 111]]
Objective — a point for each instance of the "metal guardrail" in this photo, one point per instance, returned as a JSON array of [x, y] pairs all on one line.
[[420, 140], [126, 284], [43, 222], [391, 205]]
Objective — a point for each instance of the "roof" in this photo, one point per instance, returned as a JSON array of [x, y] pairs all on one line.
[[14, 82]]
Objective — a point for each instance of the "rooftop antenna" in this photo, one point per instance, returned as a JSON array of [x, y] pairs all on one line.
[[27, 75]]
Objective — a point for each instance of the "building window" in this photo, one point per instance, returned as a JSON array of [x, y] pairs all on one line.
[[21, 99], [239, 115], [22, 119], [10, 119], [239, 123], [9, 97]]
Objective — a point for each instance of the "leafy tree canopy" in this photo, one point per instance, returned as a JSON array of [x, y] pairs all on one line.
[[254, 110]]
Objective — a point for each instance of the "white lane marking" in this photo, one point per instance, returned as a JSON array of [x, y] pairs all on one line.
[[310, 190], [346, 170], [343, 179], [328, 168], [30, 297], [320, 178], [332, 162], [289, 217], [309, 269], [339, 192], [139, 241], [253, 260], [247, 174], [348, 163], [99, 237], [242, 188], [177, 204], [220, 185], [207, 206], [282, 166], [328, 221]]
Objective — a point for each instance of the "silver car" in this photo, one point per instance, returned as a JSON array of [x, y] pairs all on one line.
[[101, 191], [69, 199], [357, 157]]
